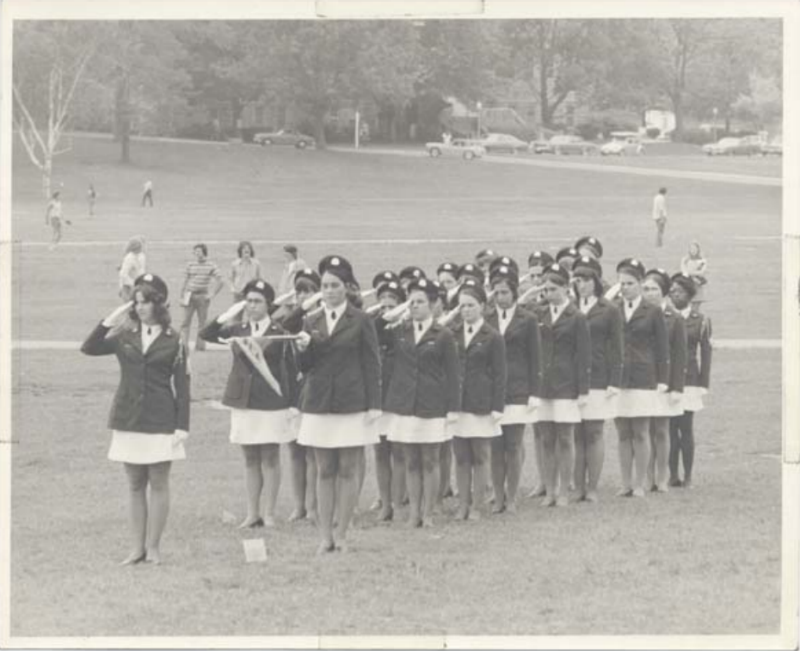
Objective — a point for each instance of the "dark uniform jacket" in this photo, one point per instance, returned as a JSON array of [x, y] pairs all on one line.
[[676, 334], [424, 379], [483, 370], [646, 354], [605, 333], [246, 387], [342, 369], [153, 393], [698, 336], [523, 355], [566, 354]]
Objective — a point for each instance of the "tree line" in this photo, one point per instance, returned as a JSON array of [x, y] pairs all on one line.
[[110, 75]]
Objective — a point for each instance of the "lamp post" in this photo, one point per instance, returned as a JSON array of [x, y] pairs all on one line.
[[479, 107]]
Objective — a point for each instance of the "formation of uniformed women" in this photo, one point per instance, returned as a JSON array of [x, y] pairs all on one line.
[[435, 373]]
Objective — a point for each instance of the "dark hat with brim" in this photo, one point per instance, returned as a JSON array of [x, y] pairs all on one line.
[[473, 287], [556, 273], [260, 287], [505, 261], [392, 287], [309, 276], [338, 266], [470, 270], [540, 259], [592, 242], [633, 267], [384, 277], [431, 288], [686, 282], [153, 282]]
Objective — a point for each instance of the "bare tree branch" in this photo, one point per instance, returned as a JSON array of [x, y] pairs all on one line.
[[28, 118]]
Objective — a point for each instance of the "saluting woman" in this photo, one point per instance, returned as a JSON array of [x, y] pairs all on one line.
[[605, 334], [150, 415], [698, 378], [423, 396], [390, 470], [482, 354], [645, 375], [261, 400], [655, 290], [520, 331], [341, 400], [566, 364]]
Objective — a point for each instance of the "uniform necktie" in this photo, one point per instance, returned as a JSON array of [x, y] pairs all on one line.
[[333, 316], [255, 328], [630, 305], [149, 331], [504, 315], [419, 327], [469, 330], [585, 302]]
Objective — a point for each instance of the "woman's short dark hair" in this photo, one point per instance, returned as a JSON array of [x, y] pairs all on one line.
[[202, 247], [160, 307], [239, 249], [512, 286]]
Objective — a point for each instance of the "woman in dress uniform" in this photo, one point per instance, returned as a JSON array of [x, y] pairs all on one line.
[[566, 257], [150, 414], [566, 363], [589, 247], [483, 372], [447, 275], [645, 375], [423, 395], [698, 378], [655, 290], [407, 274], [390, 467], [605, 334], [341, 400], [261, 407], [520, 330]]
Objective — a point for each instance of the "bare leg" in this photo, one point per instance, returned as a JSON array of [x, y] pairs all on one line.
[[566, 458], [399, 493], [137, 494], [580, 460], [538, 441], [462, 450], [515, 455], [547, 431], [298, 456], [311, 484], [687, 446], [413, 457], [430, 481], [349, 460], [271, 468], [327, 467], [498, 447], [159, 508], [254, 484], [595, 455], [383, 473], [625, 433], [480, 468], [641, 453], [674, 450], [445, 464], [659, 433]]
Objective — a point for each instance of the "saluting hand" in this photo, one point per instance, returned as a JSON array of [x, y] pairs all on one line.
[[116, 317], [231, 312], [533, 403], [612, 391]]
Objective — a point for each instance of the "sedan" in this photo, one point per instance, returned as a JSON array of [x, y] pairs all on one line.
[[565, 145], [466, 149], [284, 137], [773, 148], [502, 142], [734, 147], [622, 144]]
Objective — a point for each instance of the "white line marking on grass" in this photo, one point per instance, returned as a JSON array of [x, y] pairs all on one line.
[[756, 238], [720, 344]]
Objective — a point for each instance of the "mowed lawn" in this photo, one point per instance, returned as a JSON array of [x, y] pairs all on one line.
[[705, 561]]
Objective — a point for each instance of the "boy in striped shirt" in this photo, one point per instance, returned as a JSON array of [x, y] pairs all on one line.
[[197, 292]]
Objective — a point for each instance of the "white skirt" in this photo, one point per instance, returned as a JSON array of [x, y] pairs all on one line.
[[337, 430], [599, 406], [518, 415], [693, 398], [560, 410], [258, 427], [412, 429], [638, 403], [140, 448], [667, 408], [472, 426]]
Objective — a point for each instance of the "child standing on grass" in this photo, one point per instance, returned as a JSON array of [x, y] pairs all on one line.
[[91, 197], [53, 218], [695, 266]]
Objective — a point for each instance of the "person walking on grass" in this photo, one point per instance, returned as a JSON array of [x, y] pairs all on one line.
[[244, 268], [197, 292], [660, 215], [53, 217], [150, 415], [133, 266], [91, 197], [294, 263], [147, 193]]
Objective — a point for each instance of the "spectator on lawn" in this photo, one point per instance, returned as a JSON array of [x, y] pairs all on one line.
[[53, 217], [261, 410], [150, 415], [147, 194], [244, 269], [133, 265], [660, 215], [341, 399], [293, 263], [698, 379], [197, 292], [91, 197], [694, 265]]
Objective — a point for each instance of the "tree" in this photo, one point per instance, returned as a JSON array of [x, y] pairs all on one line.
[[50, 60]]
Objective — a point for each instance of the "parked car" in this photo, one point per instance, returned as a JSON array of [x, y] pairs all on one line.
[[773, 148], [565, 145], [746, 146], [502, 142], [623, 143], [466, 149], [284, 137]]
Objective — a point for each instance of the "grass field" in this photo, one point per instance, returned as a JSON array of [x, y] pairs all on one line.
[[699, 562]]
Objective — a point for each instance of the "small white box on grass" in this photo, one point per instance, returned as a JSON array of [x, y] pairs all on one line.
[[254, 550]]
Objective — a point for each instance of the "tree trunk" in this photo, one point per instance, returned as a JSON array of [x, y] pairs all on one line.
[[319, 130], [47, 176], [123, 116], [677, 107]]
